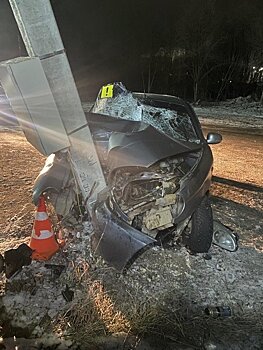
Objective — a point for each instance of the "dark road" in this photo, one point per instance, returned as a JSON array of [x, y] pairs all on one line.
[[238, 157]]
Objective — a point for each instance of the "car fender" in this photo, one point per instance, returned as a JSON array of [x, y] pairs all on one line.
[[55, 175]]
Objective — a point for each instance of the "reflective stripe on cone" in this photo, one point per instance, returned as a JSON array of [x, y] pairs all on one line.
[[43, 240]]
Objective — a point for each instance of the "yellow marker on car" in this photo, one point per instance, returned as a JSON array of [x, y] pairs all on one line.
[[107, 91]]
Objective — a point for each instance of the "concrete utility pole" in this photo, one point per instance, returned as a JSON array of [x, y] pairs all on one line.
[[38, 27]]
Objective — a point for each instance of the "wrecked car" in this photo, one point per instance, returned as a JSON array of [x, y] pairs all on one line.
[[158, 169]]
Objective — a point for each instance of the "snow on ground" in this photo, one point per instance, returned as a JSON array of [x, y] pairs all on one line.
[[241, 106], [240, 113]]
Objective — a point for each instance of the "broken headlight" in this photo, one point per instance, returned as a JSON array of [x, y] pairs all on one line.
[[224, 237]]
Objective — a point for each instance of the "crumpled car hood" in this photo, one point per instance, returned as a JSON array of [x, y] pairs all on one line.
[[144, 148], [134, 143]]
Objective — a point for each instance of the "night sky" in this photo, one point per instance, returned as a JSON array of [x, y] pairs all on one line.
[[122, 41]]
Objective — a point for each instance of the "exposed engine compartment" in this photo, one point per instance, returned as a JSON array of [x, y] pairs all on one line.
[[148, 196]]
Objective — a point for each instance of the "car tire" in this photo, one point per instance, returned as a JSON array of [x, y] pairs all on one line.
[[199, 233]]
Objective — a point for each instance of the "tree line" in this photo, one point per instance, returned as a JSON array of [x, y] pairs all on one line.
[[195, 49], [212, 50]]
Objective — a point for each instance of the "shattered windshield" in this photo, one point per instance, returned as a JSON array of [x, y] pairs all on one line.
[[173, 121]]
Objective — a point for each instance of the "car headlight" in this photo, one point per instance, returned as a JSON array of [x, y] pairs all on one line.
[[224, 237]]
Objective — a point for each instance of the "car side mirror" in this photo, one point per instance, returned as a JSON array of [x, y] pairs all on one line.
[[213, 138]]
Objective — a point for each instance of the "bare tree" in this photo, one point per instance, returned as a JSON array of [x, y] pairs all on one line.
[[198, 30]]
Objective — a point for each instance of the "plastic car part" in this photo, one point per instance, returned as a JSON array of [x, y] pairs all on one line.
[[67, 294], [115, 240], [224, 237], [218, 311], [161, 218], [15, 259]]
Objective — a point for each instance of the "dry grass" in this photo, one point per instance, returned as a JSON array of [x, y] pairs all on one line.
[[93, 313], [99, 312], [81, 321], [113, 319]]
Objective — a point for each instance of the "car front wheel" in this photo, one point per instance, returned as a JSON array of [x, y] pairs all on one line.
[[199, 233]]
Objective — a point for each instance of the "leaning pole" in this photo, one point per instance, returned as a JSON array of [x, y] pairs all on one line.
[[38, 27]]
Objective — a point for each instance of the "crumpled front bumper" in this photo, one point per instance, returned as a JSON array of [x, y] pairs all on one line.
[[115, 240]]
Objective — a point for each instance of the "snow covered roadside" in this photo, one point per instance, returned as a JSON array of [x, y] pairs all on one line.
[[238, 113]]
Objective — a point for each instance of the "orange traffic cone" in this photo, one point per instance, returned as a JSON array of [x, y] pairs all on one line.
[[43, 240]]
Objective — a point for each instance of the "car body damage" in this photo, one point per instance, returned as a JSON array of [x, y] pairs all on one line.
[[158, 169]]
